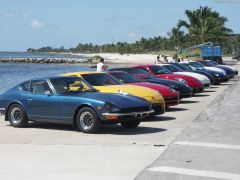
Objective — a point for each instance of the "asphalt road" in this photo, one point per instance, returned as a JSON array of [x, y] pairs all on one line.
[[49, 151], [209, 148]]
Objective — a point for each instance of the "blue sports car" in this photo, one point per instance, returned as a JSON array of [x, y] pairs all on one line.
[[70, 100]]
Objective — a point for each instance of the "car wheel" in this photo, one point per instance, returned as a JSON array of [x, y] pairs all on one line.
[[88, 120], [17, 116], [131, 124]]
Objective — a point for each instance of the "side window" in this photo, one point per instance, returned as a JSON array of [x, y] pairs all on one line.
[[39, 87], [25, 86]]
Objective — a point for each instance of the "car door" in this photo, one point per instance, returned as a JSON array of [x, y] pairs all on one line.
[[43, 105]]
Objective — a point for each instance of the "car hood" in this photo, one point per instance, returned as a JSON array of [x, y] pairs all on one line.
[[170, 83], [225, 68], [120, 100], [191, 81], [215, 69], [231, 67], [150, 95], [164, 90], [200, 77]]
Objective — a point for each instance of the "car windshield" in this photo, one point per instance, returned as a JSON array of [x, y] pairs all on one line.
[[207, 63], [173, 68], [182, 67], [191, 67], [100, 79], [141, 73], [125, 77], [213, 62], [74, 84], [197, 65], [159, 70]]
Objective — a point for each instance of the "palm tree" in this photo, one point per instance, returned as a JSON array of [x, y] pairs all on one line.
[[177, 38], [205, 25]]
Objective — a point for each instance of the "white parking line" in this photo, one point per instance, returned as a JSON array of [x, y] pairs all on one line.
[[193, 172], [212, 145]]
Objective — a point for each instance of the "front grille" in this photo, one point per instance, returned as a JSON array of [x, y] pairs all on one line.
[[135, 109], [207, 85], [171, 98], [157, 108]]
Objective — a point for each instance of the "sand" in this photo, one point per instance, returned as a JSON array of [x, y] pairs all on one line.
[[126, 58]]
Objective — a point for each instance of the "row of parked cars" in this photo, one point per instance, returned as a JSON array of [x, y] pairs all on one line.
[[120, 95]]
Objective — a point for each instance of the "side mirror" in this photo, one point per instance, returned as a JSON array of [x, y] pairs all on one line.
[[48, 93]]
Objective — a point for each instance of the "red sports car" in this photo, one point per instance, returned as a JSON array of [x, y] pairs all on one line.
[[170, 96], [164, 73]]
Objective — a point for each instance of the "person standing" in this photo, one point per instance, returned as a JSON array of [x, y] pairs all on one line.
[[101, 67], [158, 61]]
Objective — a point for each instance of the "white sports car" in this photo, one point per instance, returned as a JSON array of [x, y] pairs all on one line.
[[202, 78], [211, 68]]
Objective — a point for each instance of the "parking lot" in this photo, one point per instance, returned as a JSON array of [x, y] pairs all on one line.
[[50, 151]]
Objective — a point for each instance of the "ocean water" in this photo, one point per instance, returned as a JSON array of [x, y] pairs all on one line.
[[37, 55], [13, 74]]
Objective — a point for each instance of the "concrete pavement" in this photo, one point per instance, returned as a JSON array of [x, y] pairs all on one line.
[[209, 148], [50, 151]]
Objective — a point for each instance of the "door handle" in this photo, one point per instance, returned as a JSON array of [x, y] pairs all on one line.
[[29, 100]]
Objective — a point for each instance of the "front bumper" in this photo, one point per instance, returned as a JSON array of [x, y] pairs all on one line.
[[2, 111], [198, 90], [159, 108], [207, 85], [185, 94], [120, 117], [171, 101]]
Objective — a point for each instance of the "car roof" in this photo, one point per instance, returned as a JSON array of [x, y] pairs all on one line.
[[50, 77], [83, 72], [118, 71]]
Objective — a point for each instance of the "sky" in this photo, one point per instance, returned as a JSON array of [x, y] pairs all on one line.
[[38, 23]]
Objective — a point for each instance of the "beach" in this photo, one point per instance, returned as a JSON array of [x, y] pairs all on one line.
[[117, 58]]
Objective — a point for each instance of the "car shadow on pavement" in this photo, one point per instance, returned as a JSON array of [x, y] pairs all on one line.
[[54, 126], [201, 95], [214, 87], [105, 129], [188, 102], [119, 130], [209, 91], [173, 109], [160, 118], [224, 84]]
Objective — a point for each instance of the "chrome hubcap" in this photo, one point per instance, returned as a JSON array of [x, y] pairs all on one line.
[[16, 115], [86, 120]]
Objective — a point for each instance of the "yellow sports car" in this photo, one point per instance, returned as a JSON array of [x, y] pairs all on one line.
[[105, 82]]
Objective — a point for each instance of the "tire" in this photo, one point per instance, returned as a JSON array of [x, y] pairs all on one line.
[[131, 124], [88, 120], [17, 116]]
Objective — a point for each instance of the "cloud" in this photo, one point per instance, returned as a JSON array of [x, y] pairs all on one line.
[[26, 14], [119, 17], [37, 24], [13, 14], [132, 34], [9, 14]]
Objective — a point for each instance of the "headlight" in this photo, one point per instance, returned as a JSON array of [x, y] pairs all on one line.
[[181, 80], [216, 75], [123, 92], [172, 90], [112, 107], [174, 87]]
